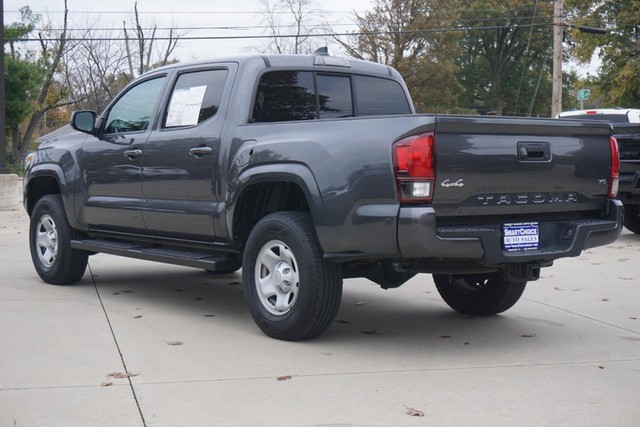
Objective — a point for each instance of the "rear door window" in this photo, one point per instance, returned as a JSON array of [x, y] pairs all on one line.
[[285, 95], [195, 98]]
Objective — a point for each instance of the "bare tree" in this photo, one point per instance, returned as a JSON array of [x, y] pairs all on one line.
[[53, 94], [142, 53], [96, 69], [290, 24]]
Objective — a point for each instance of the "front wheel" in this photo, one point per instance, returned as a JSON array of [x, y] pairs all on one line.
[[479, 294], [293, 293], [50, 238], [632, 218]]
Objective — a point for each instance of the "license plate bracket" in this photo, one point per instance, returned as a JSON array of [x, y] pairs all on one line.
[[521, 236]]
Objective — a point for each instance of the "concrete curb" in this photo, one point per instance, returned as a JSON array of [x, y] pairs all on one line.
[[9, 192]]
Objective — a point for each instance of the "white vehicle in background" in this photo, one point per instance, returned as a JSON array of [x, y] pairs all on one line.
[[626, 123]]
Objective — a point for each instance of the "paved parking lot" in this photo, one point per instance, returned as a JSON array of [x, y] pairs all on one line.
[[567, 354]]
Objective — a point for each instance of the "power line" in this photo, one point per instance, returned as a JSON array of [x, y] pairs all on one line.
[[355, 33], [242, 27], [183, 12]]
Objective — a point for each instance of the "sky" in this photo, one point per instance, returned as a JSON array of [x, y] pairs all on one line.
[[184, 13], [244, 15]]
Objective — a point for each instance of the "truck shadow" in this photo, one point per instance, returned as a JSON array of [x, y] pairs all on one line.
[[369, 317]]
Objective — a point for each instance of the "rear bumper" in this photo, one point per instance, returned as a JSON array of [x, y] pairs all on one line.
[[419, 237]]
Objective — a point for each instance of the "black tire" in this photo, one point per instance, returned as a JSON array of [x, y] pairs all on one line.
[[479, 294], [62, 265], [304, 289], [632, 218]]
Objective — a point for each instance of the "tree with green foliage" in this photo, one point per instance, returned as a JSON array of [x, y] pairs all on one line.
[[23, 79], [506, 56], [405, 34], [619, 49]]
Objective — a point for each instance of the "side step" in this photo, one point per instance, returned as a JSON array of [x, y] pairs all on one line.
[[187, 258]]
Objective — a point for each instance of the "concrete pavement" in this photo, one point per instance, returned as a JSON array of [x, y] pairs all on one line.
[[567, 354]]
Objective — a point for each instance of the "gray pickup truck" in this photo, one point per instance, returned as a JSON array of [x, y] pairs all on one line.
[[626, 128], [304, 170]]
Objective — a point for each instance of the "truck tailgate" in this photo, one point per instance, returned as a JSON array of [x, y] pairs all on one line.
[[517, 167]]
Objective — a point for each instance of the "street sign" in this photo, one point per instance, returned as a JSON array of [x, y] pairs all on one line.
[[583, 94]]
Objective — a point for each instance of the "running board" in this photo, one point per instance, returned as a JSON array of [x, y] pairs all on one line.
[[187, 258]]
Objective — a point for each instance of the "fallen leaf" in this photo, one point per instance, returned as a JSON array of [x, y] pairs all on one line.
[[413, 412], [358, 304], [467, 343], [601, 367], [138, 316], [528, 335], [197, 298], [605, 299], [106, 384], [174, 343], [121, 375], [209, 315], [557, 288], [284, 378], [370, 332], [445, 336], [633, 318]]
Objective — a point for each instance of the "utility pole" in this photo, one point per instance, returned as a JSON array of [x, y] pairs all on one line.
[[556, 97], [3, 131]]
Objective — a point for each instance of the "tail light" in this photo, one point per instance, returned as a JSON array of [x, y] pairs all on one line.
[[614, 181], [414, 166]]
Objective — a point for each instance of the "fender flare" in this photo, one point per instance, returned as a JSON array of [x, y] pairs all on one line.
[[295, 173], [51, 170]]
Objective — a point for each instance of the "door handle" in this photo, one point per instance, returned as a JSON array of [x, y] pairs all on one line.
[[132, 154], [199, 152]]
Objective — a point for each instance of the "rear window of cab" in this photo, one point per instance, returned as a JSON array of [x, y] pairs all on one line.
[[309, 95]]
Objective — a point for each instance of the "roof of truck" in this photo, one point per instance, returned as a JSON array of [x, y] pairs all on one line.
[[313, 60]]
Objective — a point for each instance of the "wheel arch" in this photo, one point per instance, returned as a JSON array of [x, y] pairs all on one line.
[[270, 188], [42, 181]]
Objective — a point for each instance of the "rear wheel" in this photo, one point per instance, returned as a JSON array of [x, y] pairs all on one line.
[[50, 238], [479, 294], [293, 293], [632, 218]]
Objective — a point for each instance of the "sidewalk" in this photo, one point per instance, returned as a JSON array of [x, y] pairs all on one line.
[[568, 354]]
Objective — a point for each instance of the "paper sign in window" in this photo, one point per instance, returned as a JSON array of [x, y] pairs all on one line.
[[184, 109]]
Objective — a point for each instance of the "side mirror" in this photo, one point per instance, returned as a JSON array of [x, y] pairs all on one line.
[[83, 121]]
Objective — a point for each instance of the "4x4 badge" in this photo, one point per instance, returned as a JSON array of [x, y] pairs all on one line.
[[447, 183]]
